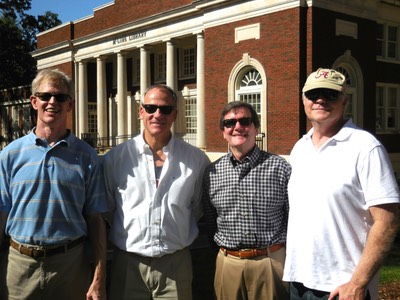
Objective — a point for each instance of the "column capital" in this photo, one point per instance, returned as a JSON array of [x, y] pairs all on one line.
[[171, 41], [121, 52], [100, 57], [81, 61], [198, 33], [144, 47]]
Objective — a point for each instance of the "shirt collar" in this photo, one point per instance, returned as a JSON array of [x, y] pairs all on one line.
[[251, 157], [143, 146], [343, 134], [68, 140]]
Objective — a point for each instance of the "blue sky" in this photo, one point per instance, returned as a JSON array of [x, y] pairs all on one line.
[[67, 10]]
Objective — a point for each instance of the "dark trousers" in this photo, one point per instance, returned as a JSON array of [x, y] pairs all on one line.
[[299, 292]]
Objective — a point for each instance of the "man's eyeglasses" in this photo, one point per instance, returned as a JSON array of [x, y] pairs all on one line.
[[151, 109], [328, 94], [229, 123], [47, 96]]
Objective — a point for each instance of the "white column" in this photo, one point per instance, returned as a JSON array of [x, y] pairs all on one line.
[[144, 70], [136, 105], [82, 99], [201, 123], [171, 65], [121, 96], [129, 116], [171, 81], [101, 98], [112, 116], [76, 97]]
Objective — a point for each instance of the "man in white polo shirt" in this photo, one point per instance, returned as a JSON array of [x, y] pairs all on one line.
[[343, 200]]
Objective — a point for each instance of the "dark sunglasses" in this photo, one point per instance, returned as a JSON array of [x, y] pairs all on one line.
[[328, 94], [47, 96], [229, 123], [151, 109]]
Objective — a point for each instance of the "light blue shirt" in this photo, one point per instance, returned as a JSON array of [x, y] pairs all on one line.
[[48, 190], [152, 220]]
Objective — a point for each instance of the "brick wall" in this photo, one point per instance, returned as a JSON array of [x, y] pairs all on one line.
[[125, 11], [61, 34], [278, 52]]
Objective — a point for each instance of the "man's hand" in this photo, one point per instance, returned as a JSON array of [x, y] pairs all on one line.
[[97, 291], [348, 291]]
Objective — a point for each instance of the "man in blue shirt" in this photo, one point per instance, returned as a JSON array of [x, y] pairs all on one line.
[[51, 199]]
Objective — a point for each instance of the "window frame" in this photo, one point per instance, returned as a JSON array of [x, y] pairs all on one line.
[[384, 108], [383, 43], [182, 62]]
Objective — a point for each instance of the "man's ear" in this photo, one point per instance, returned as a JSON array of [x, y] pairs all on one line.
[[71, 104], [33, 102], [345, 100]]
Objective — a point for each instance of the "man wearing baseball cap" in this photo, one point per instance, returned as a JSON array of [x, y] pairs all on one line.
[[343, 200]]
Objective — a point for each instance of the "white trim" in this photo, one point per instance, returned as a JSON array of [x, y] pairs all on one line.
[[348, 62], [247, 32]]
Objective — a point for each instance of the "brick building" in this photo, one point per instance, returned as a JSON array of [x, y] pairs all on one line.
[[217, 51]]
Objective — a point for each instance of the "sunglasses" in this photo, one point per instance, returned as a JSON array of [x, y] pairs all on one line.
[[151, 109], [229, 123], [47, 96], [328, 94]]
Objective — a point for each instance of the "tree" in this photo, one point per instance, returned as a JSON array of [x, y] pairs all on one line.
[[18, 32]]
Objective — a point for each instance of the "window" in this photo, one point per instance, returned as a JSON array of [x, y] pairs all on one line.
[[350, 112], [380, 42], [392, 42], [188, 63], [190, 119], [387, 108], [387, 41], [250, 90], [92, 117], [161, 67], [136, 71], [191, 114]]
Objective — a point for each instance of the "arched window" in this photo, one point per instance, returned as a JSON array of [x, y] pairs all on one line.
[[349, 67], [351, 110], [250, 90]]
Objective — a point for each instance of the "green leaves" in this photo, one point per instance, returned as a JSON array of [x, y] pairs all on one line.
[[18, 32]]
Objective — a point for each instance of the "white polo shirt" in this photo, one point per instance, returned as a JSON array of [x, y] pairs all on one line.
[[330, 191]]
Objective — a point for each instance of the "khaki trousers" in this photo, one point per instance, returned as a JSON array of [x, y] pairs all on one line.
[[135, 277], [63, 276], [251, 279]]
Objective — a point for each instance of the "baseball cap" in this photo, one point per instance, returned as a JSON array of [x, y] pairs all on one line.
[[325, 78]]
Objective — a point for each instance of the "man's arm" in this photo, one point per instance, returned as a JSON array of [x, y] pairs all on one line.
[[379, 243], [98, 242]]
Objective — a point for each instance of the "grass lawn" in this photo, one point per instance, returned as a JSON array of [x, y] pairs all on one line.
[[390, 271], [389, 283]]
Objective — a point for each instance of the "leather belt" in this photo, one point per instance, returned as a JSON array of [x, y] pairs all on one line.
[[251, 253], [42, 251]]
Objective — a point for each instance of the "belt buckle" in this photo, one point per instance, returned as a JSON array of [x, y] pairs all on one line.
[[39, 253], [246, 253], [36, 252]]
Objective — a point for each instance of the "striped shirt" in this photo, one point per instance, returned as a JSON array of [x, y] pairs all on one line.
[[47, 190], [246, 203]]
